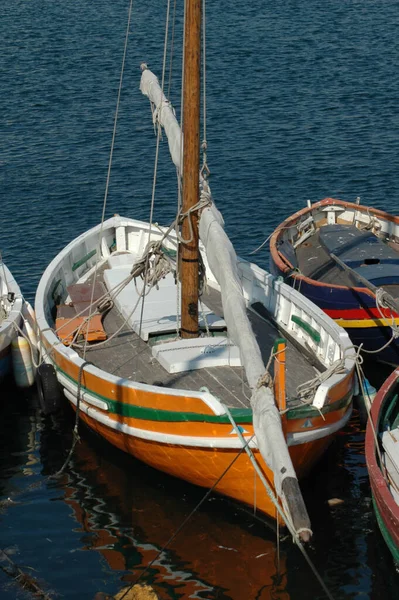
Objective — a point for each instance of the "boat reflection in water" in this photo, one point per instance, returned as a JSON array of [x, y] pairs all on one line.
[[128, 515]]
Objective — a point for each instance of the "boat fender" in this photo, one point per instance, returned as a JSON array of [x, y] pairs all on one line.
[[364, 401], [24, 354], [22, 364], [48, 389]]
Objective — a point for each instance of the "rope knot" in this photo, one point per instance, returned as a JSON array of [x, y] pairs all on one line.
[[265, 380]]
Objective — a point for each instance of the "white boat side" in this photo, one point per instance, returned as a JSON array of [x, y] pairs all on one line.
[[13, 307]]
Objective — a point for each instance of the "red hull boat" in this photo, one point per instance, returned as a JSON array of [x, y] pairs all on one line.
[[382, 456]]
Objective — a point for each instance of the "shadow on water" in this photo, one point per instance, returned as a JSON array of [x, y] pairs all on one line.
[[120, 514], [123, 513]]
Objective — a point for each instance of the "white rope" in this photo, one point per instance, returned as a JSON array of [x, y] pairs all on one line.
[[307, 390], [153, 266], [111, 156]]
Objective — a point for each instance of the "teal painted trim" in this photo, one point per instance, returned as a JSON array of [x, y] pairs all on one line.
[[315, 335], [277, 342], [394, 550], [306, 411], [84, 259], [57, 283], [169, 252], [151, 414]]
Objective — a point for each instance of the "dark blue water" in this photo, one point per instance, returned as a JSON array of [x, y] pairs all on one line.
[[302, 104]]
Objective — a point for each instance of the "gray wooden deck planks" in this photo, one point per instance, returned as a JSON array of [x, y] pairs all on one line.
[[129, 357]]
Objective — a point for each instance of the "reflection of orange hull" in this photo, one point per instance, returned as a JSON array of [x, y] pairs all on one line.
[[204, 466], [208, 553]]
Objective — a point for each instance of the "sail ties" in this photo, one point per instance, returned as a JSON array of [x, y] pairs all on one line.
[[154, 265], [266, 379]]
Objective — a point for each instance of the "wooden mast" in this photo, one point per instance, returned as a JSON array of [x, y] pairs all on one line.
[[191, 167]]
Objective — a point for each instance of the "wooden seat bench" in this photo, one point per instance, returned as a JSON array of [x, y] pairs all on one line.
[[71, 317]]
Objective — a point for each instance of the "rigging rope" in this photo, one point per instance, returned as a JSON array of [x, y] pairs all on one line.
[[75, 433], [306, 390], [111, 153], [205, 172], [285, 518]]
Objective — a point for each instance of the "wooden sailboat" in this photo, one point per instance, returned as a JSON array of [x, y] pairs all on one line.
[[345, 258], [189, 392], [382, 456]]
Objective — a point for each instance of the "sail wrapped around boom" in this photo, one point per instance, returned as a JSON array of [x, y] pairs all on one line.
[[163, 114], [222, 260]]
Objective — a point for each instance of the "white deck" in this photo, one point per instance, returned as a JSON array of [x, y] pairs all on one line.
[[159, 315], [198, 353]]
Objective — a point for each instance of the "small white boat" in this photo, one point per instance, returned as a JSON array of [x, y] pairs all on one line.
[[17, 338], [11, 303]]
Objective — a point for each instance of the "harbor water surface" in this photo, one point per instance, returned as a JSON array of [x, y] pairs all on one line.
[[302, 103]]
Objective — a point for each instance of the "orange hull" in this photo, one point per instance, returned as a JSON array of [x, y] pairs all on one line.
[[147, 424], [204, 466]]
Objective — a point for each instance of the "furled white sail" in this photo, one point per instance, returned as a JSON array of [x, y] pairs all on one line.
[[163, 113], [223, 263]]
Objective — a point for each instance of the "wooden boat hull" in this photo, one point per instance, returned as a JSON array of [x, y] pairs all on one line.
[[386, 509], [353, 308], [188, 434], [363, 325], [212, 448]]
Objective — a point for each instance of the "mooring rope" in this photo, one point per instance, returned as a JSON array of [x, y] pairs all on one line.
[[307, 389], [285, 518], [75, 433], [185, 521], [111, 153]]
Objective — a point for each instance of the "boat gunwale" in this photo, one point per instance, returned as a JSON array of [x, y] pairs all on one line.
[[7, 330], [379, 485], [241, 415], [50, 339], [287, 268]]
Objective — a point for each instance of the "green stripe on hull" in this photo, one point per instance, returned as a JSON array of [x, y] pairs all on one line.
[[307, 411], [385, 534], [83, 260], [241, 415], [152, 414]]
